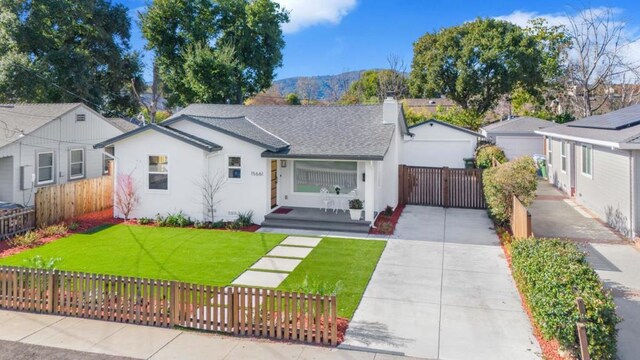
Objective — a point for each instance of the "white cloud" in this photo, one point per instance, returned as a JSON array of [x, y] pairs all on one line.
[[305, 13]]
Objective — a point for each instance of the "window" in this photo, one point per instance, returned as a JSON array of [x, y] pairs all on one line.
[[549, 151], [235, 167], [563, 156], [81, 117], [76, 163], [311, 176], [158, 172], [107, 159], [587, 160], [45, 168]]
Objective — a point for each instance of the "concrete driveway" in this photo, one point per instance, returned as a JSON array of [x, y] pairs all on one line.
[[443, 290]]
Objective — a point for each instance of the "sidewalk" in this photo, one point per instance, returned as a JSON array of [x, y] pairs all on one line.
[[143, 342]]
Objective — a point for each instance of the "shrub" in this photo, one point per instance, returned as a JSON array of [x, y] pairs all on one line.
[[355, 204], [178, 219], [385, 227], [161, 220], [53, 230], [245, 218], [218, 224], [73, 226], [38, 262], [232, 226], [144, 221], [486, 154], [29, 239], [551, 273], [501, 183], [388, 211], [315, 286]]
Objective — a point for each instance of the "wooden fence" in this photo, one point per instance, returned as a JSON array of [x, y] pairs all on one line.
[[460, 188], [16, 221], [62, 202], [235, 310], [520, 220]]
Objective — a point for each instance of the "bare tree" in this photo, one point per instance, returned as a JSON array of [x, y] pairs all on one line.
[[394, 79], [338, 85], [127, 197], [624, 90], [210, 186], [156, 94], [307, 89], [598, 43]]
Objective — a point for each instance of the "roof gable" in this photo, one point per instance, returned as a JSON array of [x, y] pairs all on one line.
[[19, 119], [454, 127], [518, 125], [165, 130]]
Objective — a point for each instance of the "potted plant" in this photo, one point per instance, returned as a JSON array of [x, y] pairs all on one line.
[[337, 189], [355, 208]]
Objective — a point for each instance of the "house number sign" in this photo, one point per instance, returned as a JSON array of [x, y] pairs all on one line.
[[257, 173]]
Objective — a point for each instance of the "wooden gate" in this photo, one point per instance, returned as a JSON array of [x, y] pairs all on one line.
[[459, 188]]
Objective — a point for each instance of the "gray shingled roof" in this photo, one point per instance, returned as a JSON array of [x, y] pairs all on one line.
[[239, 127], [575, 129], [336, 131], [25, 118], [523, 124], [122, 124], [166, 130]]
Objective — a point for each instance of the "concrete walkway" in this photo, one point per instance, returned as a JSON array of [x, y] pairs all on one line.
[[36, 336], [443, 290]]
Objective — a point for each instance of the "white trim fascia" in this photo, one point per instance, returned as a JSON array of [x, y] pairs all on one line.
[[583, 140]]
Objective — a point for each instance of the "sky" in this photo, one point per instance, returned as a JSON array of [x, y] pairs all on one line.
[[328, 37]]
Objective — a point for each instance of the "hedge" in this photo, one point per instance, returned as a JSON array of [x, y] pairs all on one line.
[[550, 274], [501, 183], [486, 154]]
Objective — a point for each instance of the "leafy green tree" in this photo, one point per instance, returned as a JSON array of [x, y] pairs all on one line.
[[293, 99], [215, 50], [459, 116], [68, 51], [475, 64], [373, 85]]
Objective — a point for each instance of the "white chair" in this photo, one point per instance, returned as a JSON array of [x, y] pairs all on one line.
[[326, 199]]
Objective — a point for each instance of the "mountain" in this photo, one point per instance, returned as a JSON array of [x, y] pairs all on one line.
[[323, 87]]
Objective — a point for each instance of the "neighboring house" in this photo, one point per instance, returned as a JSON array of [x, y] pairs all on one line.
[[517, 136], [44, 144], [435, 143], [597, 160], [268, 156], [428, 107]]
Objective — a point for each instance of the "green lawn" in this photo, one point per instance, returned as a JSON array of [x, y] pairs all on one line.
[[348, 261], [211, 257], [200, 256]]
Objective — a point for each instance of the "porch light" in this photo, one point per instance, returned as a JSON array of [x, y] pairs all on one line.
[[283, 163]]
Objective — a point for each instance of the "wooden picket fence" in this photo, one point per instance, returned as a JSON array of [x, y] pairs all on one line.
[[459, 188], [520, 220], [235, 310], [57, 203], [16, 221]]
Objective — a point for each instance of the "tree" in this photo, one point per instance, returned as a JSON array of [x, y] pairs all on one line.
[[307, 88], [68, 51], [215, 50], [210, 186], [475, 64], [374, 85], [127, 198], [598, 42], [293, 99]]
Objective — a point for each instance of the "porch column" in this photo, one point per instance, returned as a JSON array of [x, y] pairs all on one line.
[[369, 190]]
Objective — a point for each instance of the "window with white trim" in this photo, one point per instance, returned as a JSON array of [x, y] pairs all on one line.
[[158, 172], [106, 159], [76, 163], [549, 151], [587, 160], [563, 156], [45, 171], [313, 176], [235, 167]]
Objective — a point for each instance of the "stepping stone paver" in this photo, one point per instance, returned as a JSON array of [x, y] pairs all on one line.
[[260, 278], [301, 241], [276, 264], [290, 251]]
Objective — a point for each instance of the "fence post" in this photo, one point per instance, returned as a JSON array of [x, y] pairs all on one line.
[[402, 183], [52, 293], [445, 187], [582, 330], [173, 305]]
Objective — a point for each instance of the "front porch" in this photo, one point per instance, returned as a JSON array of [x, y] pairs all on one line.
[[291, 217]]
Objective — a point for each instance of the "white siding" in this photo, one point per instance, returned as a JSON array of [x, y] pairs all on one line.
[[562, 180], [608, 191], [59, 136], [437, 145], [516, 146], [6, 179]]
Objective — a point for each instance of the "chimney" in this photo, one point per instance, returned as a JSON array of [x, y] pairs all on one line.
[[390, 109]]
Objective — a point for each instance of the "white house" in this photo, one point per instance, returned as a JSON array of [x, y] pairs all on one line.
[[268, 156], [438, 144], [597, 161], [44, 144], [517, 136]]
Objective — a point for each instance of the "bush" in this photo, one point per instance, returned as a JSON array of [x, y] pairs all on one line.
[[315, 286], [53, 230], [388, 211], [551, 273], [501, 183], [245, 219], [218, 224], [356, 204], [38, 262], [160, 220], [144, 221], [73, 226], [385, 227], [486, 154], [178, 220], [29, 239]]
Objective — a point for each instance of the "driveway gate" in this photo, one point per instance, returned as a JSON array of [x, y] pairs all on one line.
[[460, 188]]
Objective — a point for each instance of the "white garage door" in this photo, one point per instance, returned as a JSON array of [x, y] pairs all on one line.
[[449, 153], [515, 146]]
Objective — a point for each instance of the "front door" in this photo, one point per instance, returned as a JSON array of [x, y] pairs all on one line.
[[274, 183]]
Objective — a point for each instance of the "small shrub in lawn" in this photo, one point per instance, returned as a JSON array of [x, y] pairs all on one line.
[[245, 218], [53, 230], [144, 221], [38, 262], [486, 154], [29, 239], [218, 224], [501, 183], [314, 286], [550, 274], [388, 211], [73, 226], [178, 220]]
